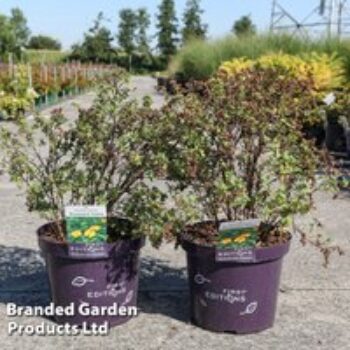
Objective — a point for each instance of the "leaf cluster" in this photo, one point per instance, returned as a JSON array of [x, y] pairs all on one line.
[[239, 150], [106, 156]]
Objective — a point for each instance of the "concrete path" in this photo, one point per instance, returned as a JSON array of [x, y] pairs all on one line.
[[314, 302]]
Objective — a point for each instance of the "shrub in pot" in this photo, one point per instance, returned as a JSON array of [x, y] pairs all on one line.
[[239, 153], [104, 157]]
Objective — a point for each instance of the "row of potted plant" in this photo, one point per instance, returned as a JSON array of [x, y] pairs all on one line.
[[22, 86], [58, 79], [16, 96], [236, 152], [328, 73]]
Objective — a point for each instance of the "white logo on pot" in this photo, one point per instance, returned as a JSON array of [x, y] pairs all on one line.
[[81, 281], [250, 309], [112, 290], [230, 296], [128, 297], [200, 279]]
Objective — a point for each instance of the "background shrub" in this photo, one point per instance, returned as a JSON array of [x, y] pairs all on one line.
[[201, 59]]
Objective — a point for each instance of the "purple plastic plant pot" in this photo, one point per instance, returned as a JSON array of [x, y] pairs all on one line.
[[101, 282], [233, 297]]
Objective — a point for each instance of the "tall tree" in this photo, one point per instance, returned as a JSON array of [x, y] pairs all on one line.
[[7, 39], [143, 23], [20, 28], [127, 30], [97, 44], [244, 26], [14, 33], [43, 42], [167, 28], [193, 26]]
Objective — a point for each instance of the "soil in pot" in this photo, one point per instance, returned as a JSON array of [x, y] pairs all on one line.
[[233, 295], [101, 282]]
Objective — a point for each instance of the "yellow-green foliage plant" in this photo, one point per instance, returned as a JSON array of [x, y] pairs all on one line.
[[16, 95], [326, 71], [236, 66]]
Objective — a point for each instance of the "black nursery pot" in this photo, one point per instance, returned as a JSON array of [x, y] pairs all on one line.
[[102, 282], [347, 136], [233, 297], [316, 132], [161, 82], [335, 137]]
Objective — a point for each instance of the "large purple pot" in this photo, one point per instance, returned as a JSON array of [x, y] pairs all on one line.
[[230, 296], [101, 282]]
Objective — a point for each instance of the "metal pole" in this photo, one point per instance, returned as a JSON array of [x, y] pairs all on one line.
[[273, 11], [340, 20], [334, 17], [330, 18], [341, 12]]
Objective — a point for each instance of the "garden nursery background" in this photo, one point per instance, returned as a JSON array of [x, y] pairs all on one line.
[[214, 139]]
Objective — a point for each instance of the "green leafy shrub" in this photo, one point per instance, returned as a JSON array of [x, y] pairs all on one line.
[[106, 156], [239, 152]]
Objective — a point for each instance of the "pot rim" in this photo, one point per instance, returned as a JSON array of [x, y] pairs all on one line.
[[263, 254], [60, 249], [41, 230]]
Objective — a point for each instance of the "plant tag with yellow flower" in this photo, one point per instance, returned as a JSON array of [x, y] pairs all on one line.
[[86, 228], [237, 241]]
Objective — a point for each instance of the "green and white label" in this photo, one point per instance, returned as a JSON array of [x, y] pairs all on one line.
[[237, 241], [86, 224]]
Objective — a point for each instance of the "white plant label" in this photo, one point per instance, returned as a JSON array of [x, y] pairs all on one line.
[[329, 99], [86, 228], [88, 211]]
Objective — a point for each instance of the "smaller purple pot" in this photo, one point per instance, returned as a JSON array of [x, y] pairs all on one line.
[[101, 281], [233, 297]]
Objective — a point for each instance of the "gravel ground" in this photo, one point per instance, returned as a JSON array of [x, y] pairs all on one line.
[[314, 302]]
